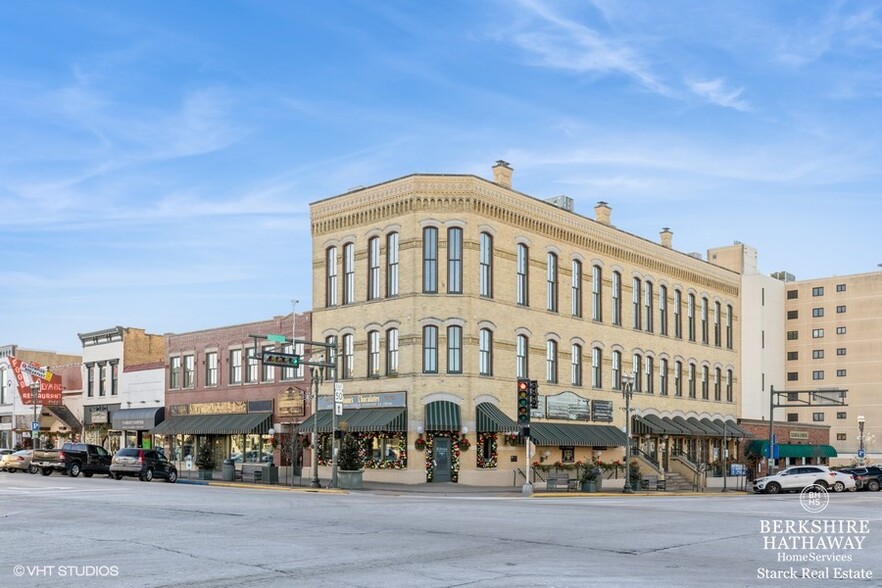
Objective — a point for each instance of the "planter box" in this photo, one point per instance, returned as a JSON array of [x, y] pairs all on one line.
[[350, 479], [592, 486], [206, 474]]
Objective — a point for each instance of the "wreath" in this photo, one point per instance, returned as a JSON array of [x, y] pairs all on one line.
[[420, 443], [464, 443]]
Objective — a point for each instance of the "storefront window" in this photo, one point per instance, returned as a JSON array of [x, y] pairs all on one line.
[[385, 448], [237, 448], [253, 448]]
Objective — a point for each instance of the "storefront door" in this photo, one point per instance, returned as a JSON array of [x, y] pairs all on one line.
[[441, 459]]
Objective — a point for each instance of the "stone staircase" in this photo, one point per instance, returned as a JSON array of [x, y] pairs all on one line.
[[675, 482]]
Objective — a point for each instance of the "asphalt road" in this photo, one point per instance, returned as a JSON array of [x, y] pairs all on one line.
[[58, 531]]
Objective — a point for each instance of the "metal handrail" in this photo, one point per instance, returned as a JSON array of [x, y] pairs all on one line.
[[647, 457]]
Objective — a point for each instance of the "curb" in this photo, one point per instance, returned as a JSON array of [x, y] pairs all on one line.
[[275, 487]]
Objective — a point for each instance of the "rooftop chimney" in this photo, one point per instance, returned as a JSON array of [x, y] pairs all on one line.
[[502, 174], [667, 238], [602, 212]]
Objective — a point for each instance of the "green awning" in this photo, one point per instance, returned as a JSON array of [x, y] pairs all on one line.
[[712, 426], [544, 434], [687, 426], [665, 424], [640, 425], [758, 447], [216, 424], [703, 430], [359, 421], [442, 415], [732, 429], [490, 419]]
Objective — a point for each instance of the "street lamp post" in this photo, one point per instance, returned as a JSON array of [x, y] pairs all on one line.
[[35, 393], [316, 381], [627, 392], [861, 421]]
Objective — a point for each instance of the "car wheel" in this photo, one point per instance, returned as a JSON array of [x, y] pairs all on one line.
[[873, 485], [838, 487], [74, 470], [822, 484], [773, 488], [33, 469], [147, 476], [117, 476], [172, 477], [46, 471]]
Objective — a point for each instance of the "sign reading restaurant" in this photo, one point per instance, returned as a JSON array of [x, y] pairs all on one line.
[[359, 401]]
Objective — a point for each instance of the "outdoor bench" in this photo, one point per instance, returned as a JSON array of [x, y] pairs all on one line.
[[556, 481]]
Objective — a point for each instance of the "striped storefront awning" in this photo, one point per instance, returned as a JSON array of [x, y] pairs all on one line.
[[393, 420], [640, 425], [665, 424], [704, 430], [732, 429], [257, 423], [688, 428], [759, 447], [490, 419], [442, 415], [544, 434]]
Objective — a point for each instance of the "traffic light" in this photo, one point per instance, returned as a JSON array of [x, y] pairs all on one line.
[[523, 401], [534, 394], [280, 359]]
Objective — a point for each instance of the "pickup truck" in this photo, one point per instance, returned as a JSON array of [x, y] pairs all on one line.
[[72, 459]]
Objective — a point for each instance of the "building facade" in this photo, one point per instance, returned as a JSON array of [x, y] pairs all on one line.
[[834, 343], [442, 290]]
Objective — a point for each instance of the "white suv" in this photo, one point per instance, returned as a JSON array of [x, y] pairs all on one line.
[[795, 478]]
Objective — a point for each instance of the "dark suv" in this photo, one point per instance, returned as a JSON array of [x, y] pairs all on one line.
[[144, 463], [867, 478]]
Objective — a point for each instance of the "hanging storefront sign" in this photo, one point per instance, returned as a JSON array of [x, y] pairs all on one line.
[[357, 401], [567, 406], [26, 374]]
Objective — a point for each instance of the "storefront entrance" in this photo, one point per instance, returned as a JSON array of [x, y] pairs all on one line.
[[441, 459]]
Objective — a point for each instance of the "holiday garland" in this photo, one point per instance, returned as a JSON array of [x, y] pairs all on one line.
[[454, 456], [492, 460]]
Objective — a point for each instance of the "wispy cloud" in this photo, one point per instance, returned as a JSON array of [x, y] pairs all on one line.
[[715, 92]]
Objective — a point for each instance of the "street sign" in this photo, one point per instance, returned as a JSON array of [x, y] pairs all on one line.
[[280, 359], [861, 453], [277, 338], [338, 395], [338, 386], [338, 408], [35, 426]]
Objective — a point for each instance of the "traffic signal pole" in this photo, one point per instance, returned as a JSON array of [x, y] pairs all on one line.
[[524, 401]]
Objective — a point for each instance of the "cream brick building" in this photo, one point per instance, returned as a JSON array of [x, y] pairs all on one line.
[[442, 290], [834, 340]]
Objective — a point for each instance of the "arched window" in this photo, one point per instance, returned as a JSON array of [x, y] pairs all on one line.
[[485, 352], [718, 331], [486, 257], [728, 385], [678, 314], [649, 374], [647, 306], [454, 260], [728, 326], [718, 383], [430, 349], [690, 316], [576, 294], [523, 355], [596, 367], [637, 371], [705, 384], [551, 283], [663, 377], [391, 265], [430, 260], [635, 305], [663, 309], [331, 277], [391, 351], [348, 357], [576, 365], [678, 378], [597, 293], [373, 362], [454, 350], [349, 273], [373, 291], [691, 380], [523, 275], [617, 298], [551, 361], [617, 370], [704, 324]]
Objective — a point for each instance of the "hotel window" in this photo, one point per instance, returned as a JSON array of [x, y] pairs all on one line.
[[818, 291], [189, 371], [792, 376], [454, 350], [840, 351], [840, 287], [678, 315], [704, 325], [817, 312], [663, 377], [348, 357], [840, 309], [840, 436], [430, 260], [485, 352], [391, 352], [391, 265], [678, 378], [102, 379], [576, 365], [617, 370], [649, 373], [728, 326], [663, 310], [597, 293], [792, 355], [635, 302], [211, 368], [705, 384], [792, 335], [718, 384], [729, 394], [349, 273], [551, 361], [523, 275], [251, 365], [576, 300], [792, 417], [817, 354], [637, 370], [596, 367], [791, 294], [174, 376], [454, 261], [523, 351], [551, 283], [841, 415], [840, 373], [617, 298], [691, 380], [331, 277], [818, 417], [647, 307], [373, 292], [373, 359], [486, 265], [840, 330], [718, 331], [235, 366], [114, 378], [690, 316], [817, 333], [792, 314]]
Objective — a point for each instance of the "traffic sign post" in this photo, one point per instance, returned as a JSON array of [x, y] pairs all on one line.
[[35, 426]]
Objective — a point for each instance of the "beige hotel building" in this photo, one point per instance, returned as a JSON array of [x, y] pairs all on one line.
[[441, 290]]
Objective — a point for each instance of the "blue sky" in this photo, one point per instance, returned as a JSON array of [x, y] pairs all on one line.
[[157, 158]]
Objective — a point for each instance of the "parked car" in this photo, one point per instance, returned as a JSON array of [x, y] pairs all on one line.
[[20, 461], [144, 463], [796, 478], [844, 481], [72, 459], [5, 451], [867, 478]]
